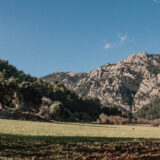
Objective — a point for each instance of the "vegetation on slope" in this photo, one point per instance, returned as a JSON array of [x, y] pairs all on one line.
[[26, 97], [150, 111]]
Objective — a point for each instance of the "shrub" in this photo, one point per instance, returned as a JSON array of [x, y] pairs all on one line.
[[44, 111], [80, 116], [112, 119], [142, 121], [46, 101], [55, 110], [155, 123], [104, 119]]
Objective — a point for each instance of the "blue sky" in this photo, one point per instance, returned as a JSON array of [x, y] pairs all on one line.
[[46, 36]]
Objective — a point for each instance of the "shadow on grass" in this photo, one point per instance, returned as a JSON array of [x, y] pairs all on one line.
[[51, 147], [63, 139]]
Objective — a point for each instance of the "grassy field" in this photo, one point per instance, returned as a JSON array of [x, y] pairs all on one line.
[[77, 141], [28, 128]]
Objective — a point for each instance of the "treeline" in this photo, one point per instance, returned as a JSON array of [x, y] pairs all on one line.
[[150, 111], [22, 94]]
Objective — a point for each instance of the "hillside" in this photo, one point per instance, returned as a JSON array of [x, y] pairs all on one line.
[[25, 97], [130, 84], [149, 111]]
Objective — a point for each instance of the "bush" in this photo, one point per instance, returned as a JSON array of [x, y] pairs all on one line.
[[142, 121], [46, 101], [80, 116], [154, 123], [44, 111], [55, 110], [104, 119], [118, 120]]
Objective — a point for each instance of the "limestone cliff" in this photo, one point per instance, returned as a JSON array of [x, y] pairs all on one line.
[[129, 84]]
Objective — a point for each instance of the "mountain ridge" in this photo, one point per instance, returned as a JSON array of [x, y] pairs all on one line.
[[131, 83]]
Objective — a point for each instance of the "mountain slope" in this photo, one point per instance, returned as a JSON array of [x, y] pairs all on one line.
[[130, 84], [25, 97]]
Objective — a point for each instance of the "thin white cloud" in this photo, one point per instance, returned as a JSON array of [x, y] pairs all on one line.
[[156, 1], [122, 37], [121, 41], [108, 45]]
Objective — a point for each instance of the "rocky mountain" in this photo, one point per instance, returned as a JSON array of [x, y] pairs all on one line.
[[129, 84]]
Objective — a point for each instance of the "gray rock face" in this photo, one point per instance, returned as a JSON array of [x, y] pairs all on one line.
[[129, 84]]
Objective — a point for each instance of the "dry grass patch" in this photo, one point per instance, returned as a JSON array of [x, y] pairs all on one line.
[[16, 127]]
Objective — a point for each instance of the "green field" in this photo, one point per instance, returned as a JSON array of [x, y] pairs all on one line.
[[29, 128], [42, 140]]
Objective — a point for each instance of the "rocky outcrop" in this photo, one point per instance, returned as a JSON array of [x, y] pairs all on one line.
[[129, 84]]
